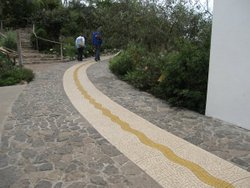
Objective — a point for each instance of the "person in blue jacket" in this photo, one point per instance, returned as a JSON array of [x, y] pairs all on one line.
[[97, 42]]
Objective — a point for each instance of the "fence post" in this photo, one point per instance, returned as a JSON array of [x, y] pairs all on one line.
[[1, 25], [19, 48], [37, 46], [61, 46]]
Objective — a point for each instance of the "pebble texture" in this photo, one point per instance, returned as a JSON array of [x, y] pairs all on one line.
[[47, 144], [225, 140]]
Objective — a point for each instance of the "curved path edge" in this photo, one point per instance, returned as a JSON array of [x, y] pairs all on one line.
[[169, 160]]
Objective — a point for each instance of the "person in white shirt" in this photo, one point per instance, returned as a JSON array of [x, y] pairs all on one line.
[[80, 44]]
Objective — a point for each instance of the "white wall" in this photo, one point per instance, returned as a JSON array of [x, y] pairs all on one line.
[[228, 96]]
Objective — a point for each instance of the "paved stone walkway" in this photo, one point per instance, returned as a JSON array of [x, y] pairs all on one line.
[[225, 140], [46, 143]]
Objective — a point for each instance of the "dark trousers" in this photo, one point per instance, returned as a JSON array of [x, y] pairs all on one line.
[[79, 53], [97, 53]]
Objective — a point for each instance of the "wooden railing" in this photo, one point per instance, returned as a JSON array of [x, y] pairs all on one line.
[[47, 40], [11, 54], [2, 35]]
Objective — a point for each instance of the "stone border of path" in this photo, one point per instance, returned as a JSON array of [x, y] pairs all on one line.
[[223, 139], [189, 154]]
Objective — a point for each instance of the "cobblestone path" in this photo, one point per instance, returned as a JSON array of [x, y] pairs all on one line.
[[47, 144], [225, 140]]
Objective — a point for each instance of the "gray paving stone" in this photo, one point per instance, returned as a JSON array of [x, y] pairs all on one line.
[[77, 163], [130, 169], [29, 153], [44, 184], [25, 183], [240, 162], [8, 126], [109, 150], [8, 176], [49, 138], [105, 160], [58, 185], [77, 185], [66, 149], [29, 168], [96, 165], [37, 143], [60, 165], [194, 139], [92, 186], [4, 142], [3, 160], [110, 170], [70, 168], [98, 180], [46, 167], [91, 130], [115, 179], [42, 158], [20, 136]]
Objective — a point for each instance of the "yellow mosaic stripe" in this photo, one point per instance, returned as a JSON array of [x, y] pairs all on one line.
[[197, 170]]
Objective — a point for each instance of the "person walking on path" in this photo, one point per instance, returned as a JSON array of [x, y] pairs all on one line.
[[97, 42], [80, 44]]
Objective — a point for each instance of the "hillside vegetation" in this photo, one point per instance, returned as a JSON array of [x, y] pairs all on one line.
[[165, 44]]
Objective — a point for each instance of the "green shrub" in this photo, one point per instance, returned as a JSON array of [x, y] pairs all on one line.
[[127, 60], [11, 75], [88, 51], [185, 77], [15, 75], [69, 51], [9, 41], [183, 73], [146, 74], [121, 64]]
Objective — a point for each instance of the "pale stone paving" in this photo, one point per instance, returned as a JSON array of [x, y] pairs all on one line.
[[47, 144], [225, 140]]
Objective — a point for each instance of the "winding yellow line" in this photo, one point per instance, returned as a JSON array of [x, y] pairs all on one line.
[[197, 170]]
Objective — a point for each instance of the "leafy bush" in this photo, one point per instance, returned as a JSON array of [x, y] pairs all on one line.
[[127, 60], [121, 64], [88, 51], [146, 74], [5, 63], [9, 41], [15, 76], [11, 75], [185, 77], [183, 72], [69, 51]]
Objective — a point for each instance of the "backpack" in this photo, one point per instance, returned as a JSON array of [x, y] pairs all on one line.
[[96, 38]]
